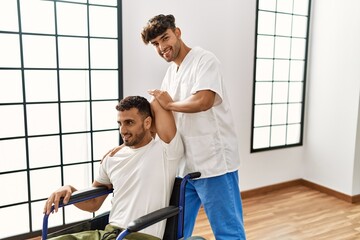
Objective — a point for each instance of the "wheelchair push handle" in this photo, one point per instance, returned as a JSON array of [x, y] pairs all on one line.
[[194, 175]]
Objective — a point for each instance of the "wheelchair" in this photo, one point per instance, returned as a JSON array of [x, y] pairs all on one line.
[[174, 214]]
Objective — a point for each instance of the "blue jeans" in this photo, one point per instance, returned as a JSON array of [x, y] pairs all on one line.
[[220, 197]]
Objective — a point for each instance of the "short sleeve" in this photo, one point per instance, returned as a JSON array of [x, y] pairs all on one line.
[[209, 77], [103, 176], [175, 149]]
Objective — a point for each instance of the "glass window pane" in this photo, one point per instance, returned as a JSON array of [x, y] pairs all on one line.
[[42, 119], [37, 16], [96, 168], [284, 6], [283, 24], [102, 2], [281, 70], [278, 135], [37, 209], [261, 137], [298, 48], [103, 21], [78, 1], [74, 85], [10, 86], [104, 84], [73, 214], [103, 142], [78, 176], [294, 114], [266, 23], [76, 148], [263, 92], [296, 91], [280, 92], [299, 28], [297, 70], [262, 115], [41, 86], [72, 19], [282, 47], [11, 121], [37, 216], [75, 117], [264, 69], [39, 51], [9, 16], [301, 7], [10, 50], [265, 47], [73, 52], [279, 113], [12, 160], [44, 182], [22, 223], [104, 115], [104, 53], [44, 151], [267, 5], [14, 181], [293, 134]]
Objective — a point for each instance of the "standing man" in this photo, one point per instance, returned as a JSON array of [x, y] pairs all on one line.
[[193, 89]]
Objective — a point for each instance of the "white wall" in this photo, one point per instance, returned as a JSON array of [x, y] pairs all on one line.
[[356, 171], [333, 96], [227, 28]]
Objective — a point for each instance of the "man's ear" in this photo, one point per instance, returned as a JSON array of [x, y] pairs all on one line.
[[177, 32], [147, 122]]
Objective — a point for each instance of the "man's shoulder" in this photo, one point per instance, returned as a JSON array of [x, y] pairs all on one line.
[[203, 54], [175, 140]]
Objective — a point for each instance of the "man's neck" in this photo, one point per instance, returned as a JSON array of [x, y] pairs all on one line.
[[145, 141], [183, 52]]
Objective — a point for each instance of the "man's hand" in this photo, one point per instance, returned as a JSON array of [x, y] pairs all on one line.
[[112, 152], [54, 198], [163, 97], [200, 101]]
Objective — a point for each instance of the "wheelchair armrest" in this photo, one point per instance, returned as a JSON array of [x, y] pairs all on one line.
[[86, 194], [152, 218], [78, 196]]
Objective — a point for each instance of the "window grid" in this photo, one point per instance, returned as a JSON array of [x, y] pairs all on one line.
[[27, 136], [279, 81]]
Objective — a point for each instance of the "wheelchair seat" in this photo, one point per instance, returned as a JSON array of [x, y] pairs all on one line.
[[174, 214]]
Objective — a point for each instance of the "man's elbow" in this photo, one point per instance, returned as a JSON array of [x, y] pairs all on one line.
[[204, 106], [169, 136]]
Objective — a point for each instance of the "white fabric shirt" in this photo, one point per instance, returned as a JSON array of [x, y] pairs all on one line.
[[142, 180], [209, 137]]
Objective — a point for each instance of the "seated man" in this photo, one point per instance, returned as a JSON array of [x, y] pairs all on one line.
[[142, 172]]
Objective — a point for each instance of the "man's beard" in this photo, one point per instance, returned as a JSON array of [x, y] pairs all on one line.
[[136, 139]]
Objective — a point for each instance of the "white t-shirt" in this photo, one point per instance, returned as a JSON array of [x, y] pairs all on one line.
[[209, 137], [142, 180]]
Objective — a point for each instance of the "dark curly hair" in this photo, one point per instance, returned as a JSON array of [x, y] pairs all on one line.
[[157, 26], [138, 102]]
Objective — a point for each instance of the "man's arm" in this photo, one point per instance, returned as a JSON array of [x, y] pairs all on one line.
[[65, 192], [200, 101], [164, 122]]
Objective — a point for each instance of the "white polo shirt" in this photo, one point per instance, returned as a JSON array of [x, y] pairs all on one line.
[[209, 137]]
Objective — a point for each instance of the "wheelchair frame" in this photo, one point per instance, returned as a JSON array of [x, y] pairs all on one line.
[[176, 207]]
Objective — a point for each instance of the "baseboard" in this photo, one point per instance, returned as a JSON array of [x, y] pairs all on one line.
[[303, 182], [268, 189]]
